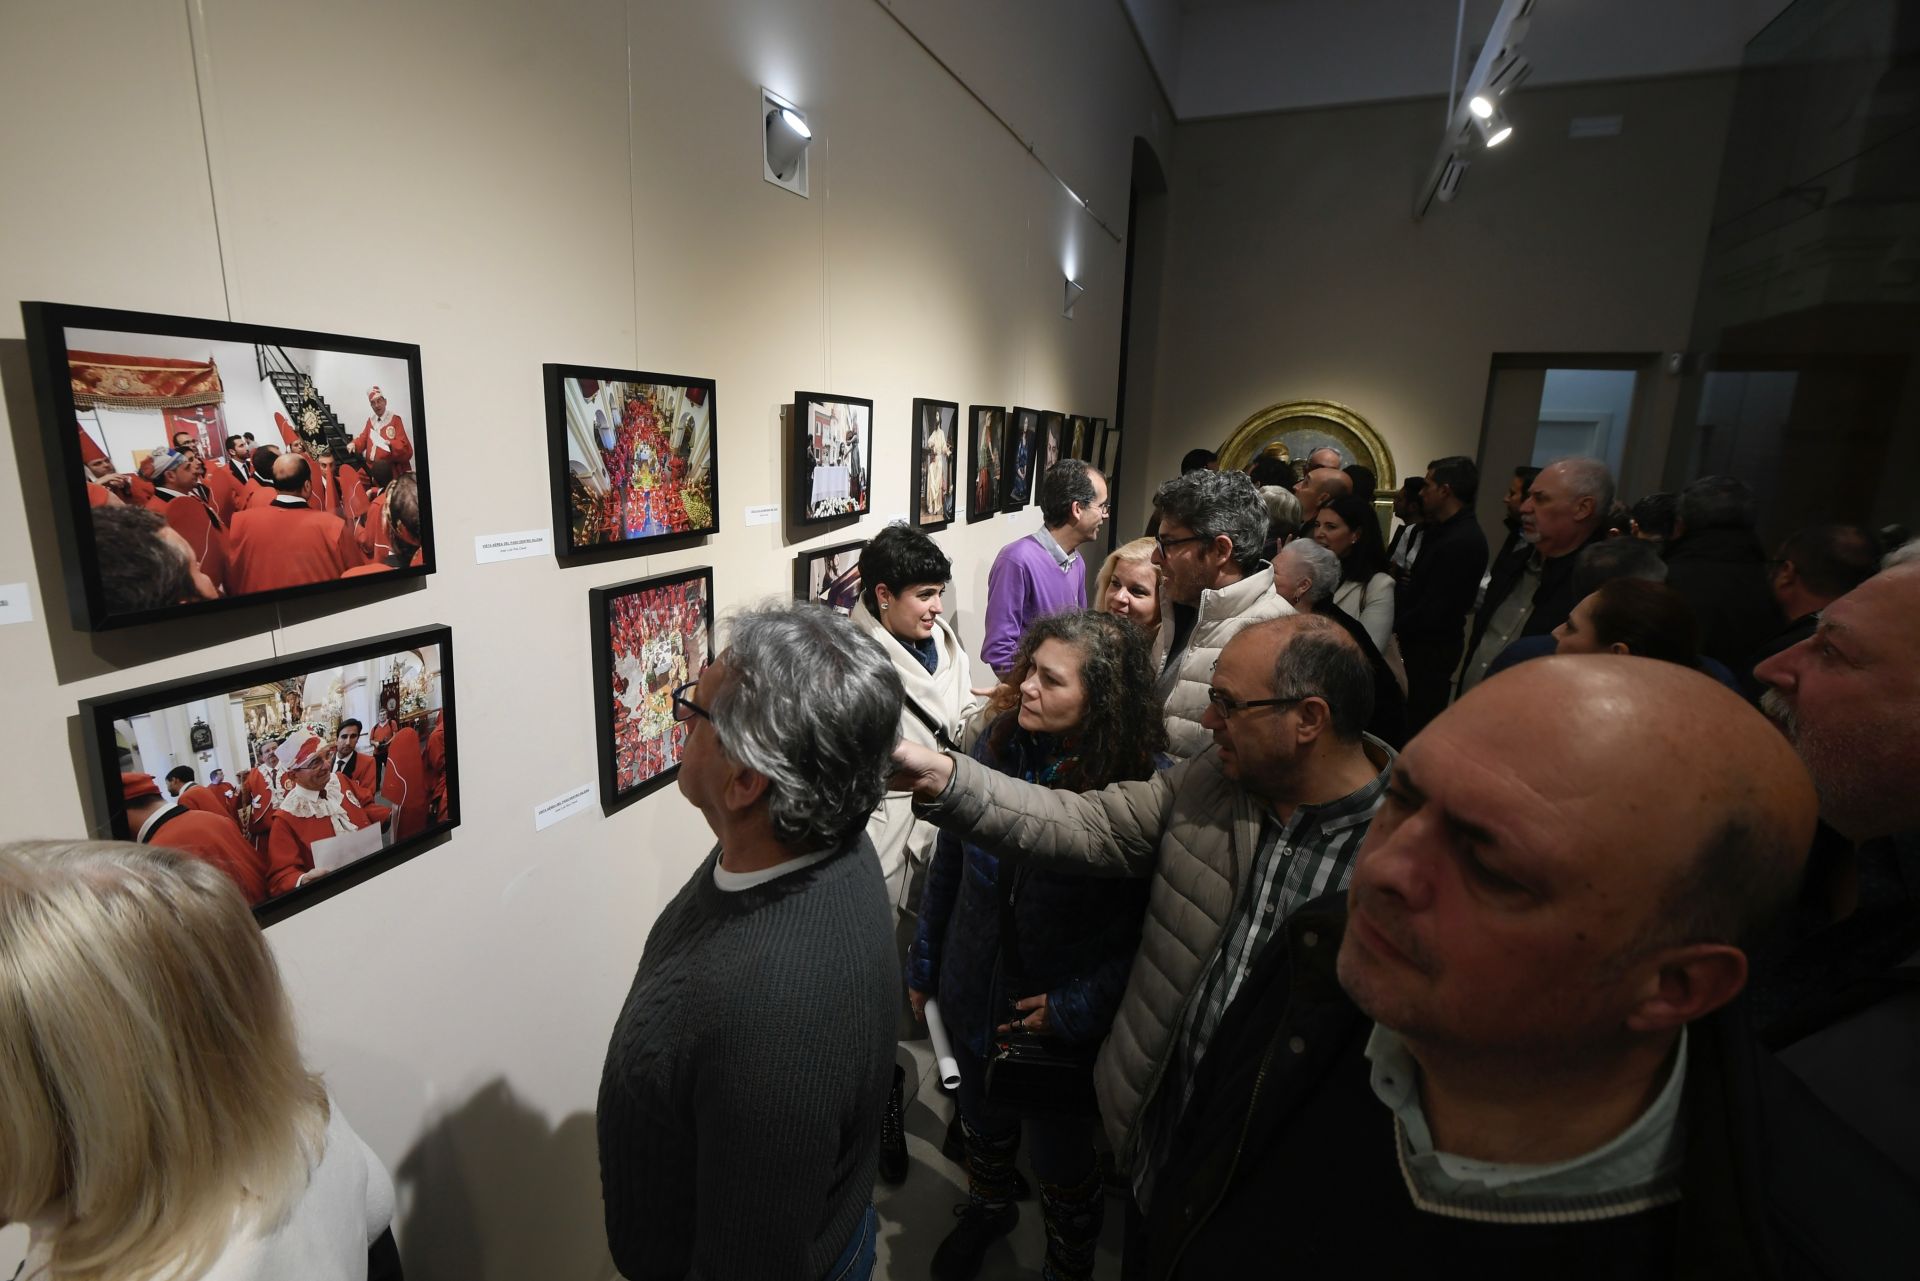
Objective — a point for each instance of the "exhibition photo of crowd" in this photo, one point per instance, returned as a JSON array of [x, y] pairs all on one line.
[[659, 640], [640, 460]]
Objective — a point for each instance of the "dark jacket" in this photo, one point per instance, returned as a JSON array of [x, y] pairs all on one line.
[[1723, 575], [1553, 600], [1077, 933], [1389, 720], [1773, 1184], [1443, 581]]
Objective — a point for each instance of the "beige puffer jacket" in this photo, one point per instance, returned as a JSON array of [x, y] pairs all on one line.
[[1224, 613], [1191, 828]]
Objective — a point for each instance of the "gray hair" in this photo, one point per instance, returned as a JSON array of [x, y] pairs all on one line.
[[1283, 508], [813, 705], [1321, 661], [1212, 503], [1905, 554], [1588, 477], [1319, 564]]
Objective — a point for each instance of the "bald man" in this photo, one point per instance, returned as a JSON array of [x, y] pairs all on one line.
[[1317, 488], [285, 543], [1511, 1048], [1844, 991]]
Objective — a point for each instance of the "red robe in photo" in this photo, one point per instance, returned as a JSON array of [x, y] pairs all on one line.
[[405, 785], [360, 780], [99, 495], [290, 842], [206, 800], [224, 488], [201, 526], [375, 542], [285, 545], [216, 841], [386, 440], [437, 764], [229, 796], [354, 497], [263, 794]]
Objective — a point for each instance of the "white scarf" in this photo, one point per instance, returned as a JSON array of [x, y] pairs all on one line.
[[304, 802], [375, 441]]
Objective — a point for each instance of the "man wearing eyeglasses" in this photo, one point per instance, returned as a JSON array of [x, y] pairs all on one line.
[[1234, 839], [1213, 527], [1042, 573]]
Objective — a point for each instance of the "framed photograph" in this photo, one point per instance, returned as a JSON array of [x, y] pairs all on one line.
[[829, 576], [987, 447], [280, 463], [833, 455], [1109, 445], [1023, 451], [299, 778], [936, 440], [632, 460], [649, 637], [1053, 442], [1080, 434]]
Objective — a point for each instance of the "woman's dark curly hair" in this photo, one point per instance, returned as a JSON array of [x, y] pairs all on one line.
[[1122, 733]]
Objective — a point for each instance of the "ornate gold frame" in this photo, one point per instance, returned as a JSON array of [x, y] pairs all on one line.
[[1353, 432]]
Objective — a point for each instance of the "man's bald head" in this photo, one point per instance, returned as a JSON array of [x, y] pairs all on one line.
[[1567, 863], [291, 473], [1848, 698], [1319, 487]]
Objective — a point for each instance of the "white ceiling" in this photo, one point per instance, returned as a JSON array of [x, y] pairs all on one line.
[[1228, 57]]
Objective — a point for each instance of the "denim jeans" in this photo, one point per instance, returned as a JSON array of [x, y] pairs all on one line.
[[856, 1261]]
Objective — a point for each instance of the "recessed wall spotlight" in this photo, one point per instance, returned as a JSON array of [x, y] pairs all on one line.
[[1074, 290], [1494, 127], [784, 149]]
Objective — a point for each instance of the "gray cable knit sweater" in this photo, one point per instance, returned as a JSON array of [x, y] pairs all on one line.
[[740, 1105]]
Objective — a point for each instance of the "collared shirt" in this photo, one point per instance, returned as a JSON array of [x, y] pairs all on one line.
[[153, 820], [1637, 1168], [1064, 559], [1296, 861], [1509, 616]]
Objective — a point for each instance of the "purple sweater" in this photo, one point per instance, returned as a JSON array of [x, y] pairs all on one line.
[[1026, 583]]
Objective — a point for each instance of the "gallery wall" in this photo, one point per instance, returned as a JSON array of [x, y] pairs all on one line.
[[1296, 271], [507, 185]]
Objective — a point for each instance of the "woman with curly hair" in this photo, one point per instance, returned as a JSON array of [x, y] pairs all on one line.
[[1077, 713]]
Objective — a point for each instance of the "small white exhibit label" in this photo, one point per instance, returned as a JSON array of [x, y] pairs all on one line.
[[1014, 518], [561, 808], [16, 603], [765, 514], [898, 518], [488, 548]]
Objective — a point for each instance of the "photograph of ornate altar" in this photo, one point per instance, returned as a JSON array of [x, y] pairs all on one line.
[[1296, 428]]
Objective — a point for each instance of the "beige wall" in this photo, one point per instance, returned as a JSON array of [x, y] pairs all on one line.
[[508, 184], [1295, 271]]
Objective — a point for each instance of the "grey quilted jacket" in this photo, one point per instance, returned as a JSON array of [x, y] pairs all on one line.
[[1190, 828]]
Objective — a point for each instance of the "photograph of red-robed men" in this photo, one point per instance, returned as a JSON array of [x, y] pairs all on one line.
[[332, 766], [659, 640], [270, 466], [639, 456]]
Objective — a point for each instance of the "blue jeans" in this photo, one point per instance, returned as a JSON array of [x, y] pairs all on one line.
[[856, 1261]]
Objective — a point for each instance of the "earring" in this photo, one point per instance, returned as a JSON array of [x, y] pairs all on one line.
[[885, 605]]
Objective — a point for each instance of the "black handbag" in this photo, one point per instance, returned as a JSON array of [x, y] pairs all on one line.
[[1033, 1071]]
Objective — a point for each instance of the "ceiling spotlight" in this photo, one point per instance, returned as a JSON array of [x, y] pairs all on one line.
[[1495, 128], [1074, 290], [786, 137], [1480, 105]]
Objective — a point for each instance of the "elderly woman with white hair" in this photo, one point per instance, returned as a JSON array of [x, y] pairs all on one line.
[[1306, 575], [159, 1120]]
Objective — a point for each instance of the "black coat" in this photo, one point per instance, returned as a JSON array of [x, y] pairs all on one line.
[[1553, 600], [1723, 575], [1389, 720], [1774, 1185], [1440, 587]]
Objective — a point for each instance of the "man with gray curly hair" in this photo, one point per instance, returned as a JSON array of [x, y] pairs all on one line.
[[740, 1104], [1213, 526]]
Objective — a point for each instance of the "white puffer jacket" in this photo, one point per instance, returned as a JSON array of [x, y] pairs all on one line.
[[1224, 613]]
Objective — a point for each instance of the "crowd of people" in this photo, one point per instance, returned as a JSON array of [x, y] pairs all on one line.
[[1325, 901], [187, 526]]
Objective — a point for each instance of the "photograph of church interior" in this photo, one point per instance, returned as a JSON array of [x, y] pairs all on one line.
[[1090, 851]]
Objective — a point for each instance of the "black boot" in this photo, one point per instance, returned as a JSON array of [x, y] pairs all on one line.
[[954, 1148], [893, 1134]]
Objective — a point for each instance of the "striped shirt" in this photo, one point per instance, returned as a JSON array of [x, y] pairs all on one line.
[[1295, 861]]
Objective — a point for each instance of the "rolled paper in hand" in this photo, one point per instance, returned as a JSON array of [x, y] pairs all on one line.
[[942, 1049]]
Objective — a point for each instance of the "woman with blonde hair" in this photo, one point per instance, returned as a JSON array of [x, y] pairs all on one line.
[[160, 1125], [1129, 585]]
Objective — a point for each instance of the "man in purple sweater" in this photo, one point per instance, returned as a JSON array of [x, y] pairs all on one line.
[[1042, 573]]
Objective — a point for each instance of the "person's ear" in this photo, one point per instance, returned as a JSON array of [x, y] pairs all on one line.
[[1312, 718], [1221, 548], [1619, 647], [882, 595], [744, 788], [1687, 983]]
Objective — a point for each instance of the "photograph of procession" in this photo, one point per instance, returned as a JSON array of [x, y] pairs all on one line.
[[829, 576], [650, 637], [632, 459], [1023, 442], [936, 433], [987, 446], [285, 776], [833, 458], [198, 464]]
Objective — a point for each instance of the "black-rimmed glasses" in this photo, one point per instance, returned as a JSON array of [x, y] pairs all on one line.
[[1165, 542], [1227, 706], [684, 708]]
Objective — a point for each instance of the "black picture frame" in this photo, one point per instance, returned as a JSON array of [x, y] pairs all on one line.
[[859, 464], [604, 603], [574, 391], [987, 456], [116, 392], [1053, 443], [1109, 450], [840, 592], [1023, 455], [98, 717], [936, 430]]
